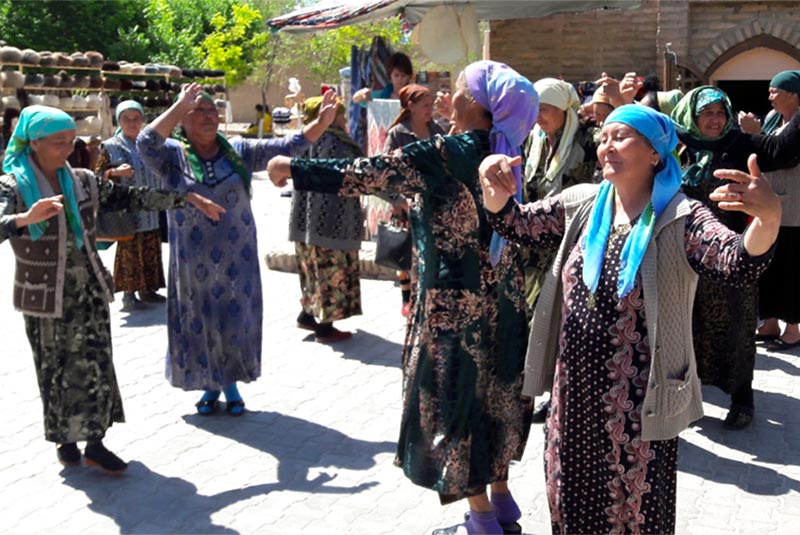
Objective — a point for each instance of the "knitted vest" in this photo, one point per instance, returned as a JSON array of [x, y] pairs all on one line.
[[122, 151], [673, 399], [40, 264]]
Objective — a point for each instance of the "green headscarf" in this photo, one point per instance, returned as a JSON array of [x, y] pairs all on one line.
[[196, 163], [36, 122], [685, 115], [788, 81], [667, 100], [124, 106]]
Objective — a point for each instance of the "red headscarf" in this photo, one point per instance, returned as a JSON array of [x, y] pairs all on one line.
[[409, 93]]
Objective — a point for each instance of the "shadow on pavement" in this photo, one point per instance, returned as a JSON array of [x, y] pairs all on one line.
[[768, 362], [143, 501], [298, 445], [155, 314], [769, 440], [367, 348]]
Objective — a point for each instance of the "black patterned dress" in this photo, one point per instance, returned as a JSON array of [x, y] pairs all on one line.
[[601, 477], [464, 419]]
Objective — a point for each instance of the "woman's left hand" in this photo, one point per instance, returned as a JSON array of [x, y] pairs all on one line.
[[748, 193], [280, 170], [211, 209]]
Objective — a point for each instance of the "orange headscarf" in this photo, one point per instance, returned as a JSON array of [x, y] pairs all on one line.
[[409, 93]]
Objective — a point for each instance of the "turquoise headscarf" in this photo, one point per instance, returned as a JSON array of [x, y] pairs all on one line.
[[660, 132], [36, 122], [124, 106]]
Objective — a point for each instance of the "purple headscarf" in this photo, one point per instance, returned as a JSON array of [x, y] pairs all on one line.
[[514, 105]]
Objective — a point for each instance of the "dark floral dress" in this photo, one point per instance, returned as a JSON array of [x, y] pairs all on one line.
[[463, 418], [601, 477]]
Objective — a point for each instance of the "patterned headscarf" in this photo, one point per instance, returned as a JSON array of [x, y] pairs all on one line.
[[409, 93], [230, 154], [685, 117], [36, 122], [563, 96], [514, 104], [311, 107], [660, 132], [788, 81]]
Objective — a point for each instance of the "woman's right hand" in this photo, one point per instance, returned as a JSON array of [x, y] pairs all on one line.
[[41, 210], [498, 180], [189, 97], [280, 170], [124, 170]]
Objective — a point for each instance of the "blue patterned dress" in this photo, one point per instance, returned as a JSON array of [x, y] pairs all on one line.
[[214, 301]]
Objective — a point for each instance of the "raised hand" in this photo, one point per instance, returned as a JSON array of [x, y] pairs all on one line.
[[327, 110], [748, 193], [498, 180]]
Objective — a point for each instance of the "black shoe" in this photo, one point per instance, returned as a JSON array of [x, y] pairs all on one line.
[[97, 455], [739, 417], [130, 303], [540, 412], [306, 321], [68, 454], [151, 296]]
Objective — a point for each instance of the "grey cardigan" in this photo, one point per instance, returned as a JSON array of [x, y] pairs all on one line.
[[673, 399]]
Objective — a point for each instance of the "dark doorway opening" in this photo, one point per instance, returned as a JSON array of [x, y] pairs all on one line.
[[747, 95]]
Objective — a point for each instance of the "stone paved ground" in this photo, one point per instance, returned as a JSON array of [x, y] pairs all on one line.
[[314, 452]]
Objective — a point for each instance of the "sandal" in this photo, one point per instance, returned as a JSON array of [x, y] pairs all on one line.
[[206, 407], [739, 417], [235, 408]]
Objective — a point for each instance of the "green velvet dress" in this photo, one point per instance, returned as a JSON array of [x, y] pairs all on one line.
[[464, 418]]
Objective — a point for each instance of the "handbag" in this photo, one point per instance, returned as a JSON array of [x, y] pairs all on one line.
[[115, 226], [393, 247]]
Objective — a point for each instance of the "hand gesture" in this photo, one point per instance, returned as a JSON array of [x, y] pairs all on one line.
[[190, 96], [280, 170], [124, 170], [210, 209], [749, 123], [327, 110], [41, 210], [498, 180], [748, 193]]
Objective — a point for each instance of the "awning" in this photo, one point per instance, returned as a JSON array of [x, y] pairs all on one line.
[[329, 14]]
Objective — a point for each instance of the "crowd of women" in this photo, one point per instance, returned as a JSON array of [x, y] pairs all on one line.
[[615, 254]]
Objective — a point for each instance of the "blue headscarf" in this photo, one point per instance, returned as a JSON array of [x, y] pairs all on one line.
[[660, 132], [36, 122], [514, 105]]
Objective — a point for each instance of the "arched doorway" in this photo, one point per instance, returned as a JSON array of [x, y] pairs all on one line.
[[745, 77]]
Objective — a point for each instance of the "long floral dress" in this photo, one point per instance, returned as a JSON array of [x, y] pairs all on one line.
[[463, 418], [601, 477], [214, 300]]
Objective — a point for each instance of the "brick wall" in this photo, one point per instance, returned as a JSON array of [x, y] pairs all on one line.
[[580, 46]]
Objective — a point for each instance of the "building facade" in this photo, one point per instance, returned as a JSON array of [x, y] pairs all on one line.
[[737, 45]]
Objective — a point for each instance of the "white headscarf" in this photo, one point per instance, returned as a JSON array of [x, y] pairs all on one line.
[[563, 96]]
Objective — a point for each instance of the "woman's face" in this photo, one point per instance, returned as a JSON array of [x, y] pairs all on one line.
[[131, 121], [461, 102], [399, 79], [201, 123], [712, 119], [783, 101], [625, 155], [52, 151], [600, 112], [422, 109], [550, 119]]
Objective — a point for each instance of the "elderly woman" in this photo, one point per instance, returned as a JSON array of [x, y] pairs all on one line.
[[327, 231], [214, 302], [137, 264], [724, 318], [779, 287], [47, 212], [463, 419], [414, 123], [611, 334]]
